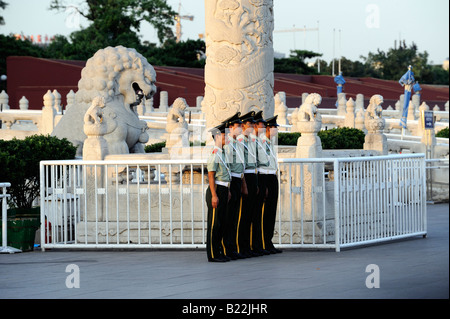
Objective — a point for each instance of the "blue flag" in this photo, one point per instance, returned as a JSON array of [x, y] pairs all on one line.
[[407, 80]]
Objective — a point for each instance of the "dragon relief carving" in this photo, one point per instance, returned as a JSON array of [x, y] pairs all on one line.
[[239, 69]]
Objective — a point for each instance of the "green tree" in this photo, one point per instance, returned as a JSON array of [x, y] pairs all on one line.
[[349, 68], [296, 62], [184, 53], [115, 20], [391, 65], [3, 5]]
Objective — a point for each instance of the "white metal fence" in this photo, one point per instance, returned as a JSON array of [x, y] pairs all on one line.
[[5, 249], [323, 203]]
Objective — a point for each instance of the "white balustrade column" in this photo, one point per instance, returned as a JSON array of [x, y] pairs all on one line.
[[57, 101], [70, 97], [23, 103], [48, 114], [164, 101], [4, 100]]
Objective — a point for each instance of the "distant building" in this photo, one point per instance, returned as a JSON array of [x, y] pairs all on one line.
[[279, 55]]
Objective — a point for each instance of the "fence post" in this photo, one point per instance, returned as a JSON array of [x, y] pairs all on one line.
[[5, 249], [43, 183], [337, 225]]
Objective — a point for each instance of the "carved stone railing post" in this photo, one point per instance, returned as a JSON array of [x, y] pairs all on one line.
[[95, 146], [281, 108], [4, 100], [57, 101], [23, 103], [350, 114], [375, 139], [309, 145], [70, 99], [48, 114], [163, 101]]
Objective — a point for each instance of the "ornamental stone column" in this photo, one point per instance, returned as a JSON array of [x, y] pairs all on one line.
[[239, 64]]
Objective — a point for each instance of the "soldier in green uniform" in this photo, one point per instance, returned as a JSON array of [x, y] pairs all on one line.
[[268, 172], [256, 236], [217, 196], [248, 201], [234, 155]]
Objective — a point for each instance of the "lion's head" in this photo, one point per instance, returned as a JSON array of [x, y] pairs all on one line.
[[114, 72], [313, 99], [374, 109]]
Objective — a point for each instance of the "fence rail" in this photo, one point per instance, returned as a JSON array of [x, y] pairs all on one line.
[[323, 203]]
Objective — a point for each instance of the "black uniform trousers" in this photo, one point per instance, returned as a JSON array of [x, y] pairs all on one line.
[[246, 214], [270, 210], [256, 227], [265, 213], [232, 216], [216, 222]]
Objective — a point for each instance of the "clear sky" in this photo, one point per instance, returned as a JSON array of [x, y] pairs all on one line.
[[361, 26]]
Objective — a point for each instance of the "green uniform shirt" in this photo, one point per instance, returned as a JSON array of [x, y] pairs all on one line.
[[234, 155], [216, 163], [266, 154], [249, 146]]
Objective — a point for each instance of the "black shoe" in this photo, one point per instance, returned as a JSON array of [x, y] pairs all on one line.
[[232, 256], [275, 251], [246, 254], [263, 252], [220, 259], [256, 253], [241, 256]]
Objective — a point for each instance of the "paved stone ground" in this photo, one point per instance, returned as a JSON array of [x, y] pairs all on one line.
[[415, 268]]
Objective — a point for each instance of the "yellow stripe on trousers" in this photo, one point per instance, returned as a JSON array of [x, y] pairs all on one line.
[[239, 222], [212, 227], [262, 227]]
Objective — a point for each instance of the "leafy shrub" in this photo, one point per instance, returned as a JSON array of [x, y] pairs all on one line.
[[443, 133], [337, 138], [19, 162], [288, 138], [342, 138], [153, 148]]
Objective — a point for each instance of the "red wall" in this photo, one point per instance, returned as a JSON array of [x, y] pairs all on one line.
[[32, 77]]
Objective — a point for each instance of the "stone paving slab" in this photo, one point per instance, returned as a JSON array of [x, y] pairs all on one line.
[[416, 268]]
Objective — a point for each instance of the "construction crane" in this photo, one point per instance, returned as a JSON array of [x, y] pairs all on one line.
[[294, 30], [304, 30], [178, 19]]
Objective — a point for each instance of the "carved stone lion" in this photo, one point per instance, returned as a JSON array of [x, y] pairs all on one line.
[[373, 119], [374, 110], [122, 78], [308, 110], [309, 119], [176, 120]]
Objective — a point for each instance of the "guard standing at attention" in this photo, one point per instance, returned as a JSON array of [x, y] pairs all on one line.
[[256, 231], [268, 173], [217, 196], [234, 155], [248, 201]]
